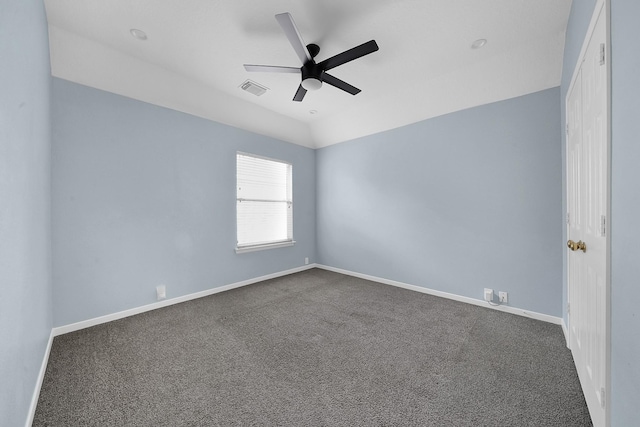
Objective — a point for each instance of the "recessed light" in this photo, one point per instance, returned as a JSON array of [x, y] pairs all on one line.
[[478, 43], [313, 111], [139, 34]]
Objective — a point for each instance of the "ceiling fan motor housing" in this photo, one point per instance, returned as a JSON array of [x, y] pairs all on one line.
[[313, 49], [311, 76]]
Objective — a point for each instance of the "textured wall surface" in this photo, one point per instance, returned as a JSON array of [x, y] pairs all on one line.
[[456, 203], [625, 211], [25, 204], [144, 196]]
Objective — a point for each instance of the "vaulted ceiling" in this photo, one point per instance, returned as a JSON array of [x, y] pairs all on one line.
[[192, 60]]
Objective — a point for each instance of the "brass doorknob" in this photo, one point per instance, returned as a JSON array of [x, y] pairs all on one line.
[[579, 246]]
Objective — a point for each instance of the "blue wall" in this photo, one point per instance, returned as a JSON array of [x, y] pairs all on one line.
[[25, 204], [625, 212], [455, 203], [144, 196]]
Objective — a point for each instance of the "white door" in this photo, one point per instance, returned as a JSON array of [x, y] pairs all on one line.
[[587, 203]]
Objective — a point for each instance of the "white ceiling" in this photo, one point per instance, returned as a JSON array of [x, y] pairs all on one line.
[[193, 58]]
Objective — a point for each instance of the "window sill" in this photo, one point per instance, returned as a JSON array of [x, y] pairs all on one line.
[[245, 249]]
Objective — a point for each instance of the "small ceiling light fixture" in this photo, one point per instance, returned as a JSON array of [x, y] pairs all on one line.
[[139, 34], [478, 43]]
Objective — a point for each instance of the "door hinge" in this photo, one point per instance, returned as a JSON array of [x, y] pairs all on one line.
[[603, 225], [602, 54], [568, 308], [568, 218], [602, 397], [567, 129]]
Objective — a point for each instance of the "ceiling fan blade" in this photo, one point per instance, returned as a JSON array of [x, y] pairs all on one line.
[[300, 93], [334, 81], [349, 55], [291, 31], [271, 69]]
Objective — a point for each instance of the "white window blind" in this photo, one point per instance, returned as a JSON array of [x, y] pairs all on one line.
[[264, 207]]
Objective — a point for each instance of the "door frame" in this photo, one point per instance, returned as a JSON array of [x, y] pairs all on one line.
[[601, 7]]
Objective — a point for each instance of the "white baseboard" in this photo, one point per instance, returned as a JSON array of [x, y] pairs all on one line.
[[39, 380], [137, 310], [507, 309], [565, 331]]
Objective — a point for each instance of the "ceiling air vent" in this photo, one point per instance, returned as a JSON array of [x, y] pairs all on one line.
[[253, 87]]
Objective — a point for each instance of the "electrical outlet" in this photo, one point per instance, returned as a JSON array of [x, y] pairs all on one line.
[[488, 294], [161, 292], [504, 297], [306, 260]]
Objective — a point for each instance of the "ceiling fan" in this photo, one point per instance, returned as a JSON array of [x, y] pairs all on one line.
[[314, 74]]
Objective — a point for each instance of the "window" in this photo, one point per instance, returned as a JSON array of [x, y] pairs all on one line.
[[264, 206]]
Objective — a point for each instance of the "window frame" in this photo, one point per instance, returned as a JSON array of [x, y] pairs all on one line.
[[239, 249]]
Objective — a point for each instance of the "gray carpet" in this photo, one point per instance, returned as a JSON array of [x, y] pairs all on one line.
[[314, 349]]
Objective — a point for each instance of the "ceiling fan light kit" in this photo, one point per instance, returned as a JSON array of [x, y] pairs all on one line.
[[311, 83], [313, 74]]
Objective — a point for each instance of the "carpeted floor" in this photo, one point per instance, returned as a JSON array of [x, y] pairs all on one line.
[[314, 349]]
